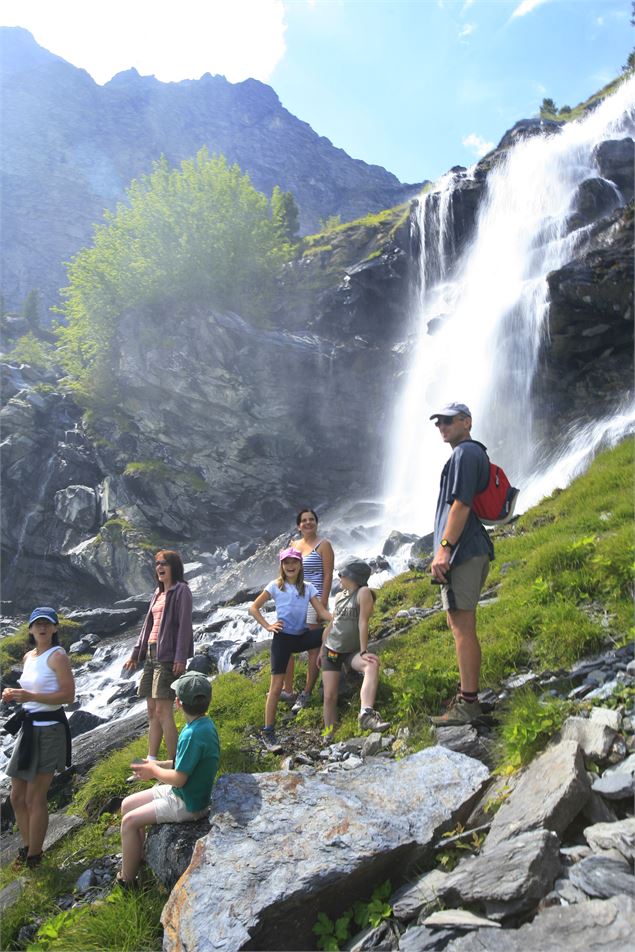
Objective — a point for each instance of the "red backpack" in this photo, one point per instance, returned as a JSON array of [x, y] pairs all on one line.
[[495, 504]]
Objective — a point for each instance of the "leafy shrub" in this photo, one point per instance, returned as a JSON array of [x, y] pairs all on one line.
[[527, 724]]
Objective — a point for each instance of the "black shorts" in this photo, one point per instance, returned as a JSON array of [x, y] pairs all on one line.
[[335, 660], [284, 645]]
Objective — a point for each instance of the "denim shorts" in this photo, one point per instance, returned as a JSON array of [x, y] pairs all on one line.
[[284, 645]]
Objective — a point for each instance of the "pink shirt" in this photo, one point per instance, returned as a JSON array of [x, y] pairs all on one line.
[[157, 615]]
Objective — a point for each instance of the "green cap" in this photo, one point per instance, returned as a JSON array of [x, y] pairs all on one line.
[[191, 686]]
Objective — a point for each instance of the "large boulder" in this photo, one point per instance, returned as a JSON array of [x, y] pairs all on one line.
[[616, 161], [284, 846]]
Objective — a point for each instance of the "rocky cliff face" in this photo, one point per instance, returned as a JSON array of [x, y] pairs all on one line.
[[218, 429], [71, 148]]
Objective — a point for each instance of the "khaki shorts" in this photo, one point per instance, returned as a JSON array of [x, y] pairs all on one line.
[[156, 678], [466, 583], [170, 808]]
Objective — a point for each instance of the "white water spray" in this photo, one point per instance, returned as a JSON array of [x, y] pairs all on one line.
[[491, 314]]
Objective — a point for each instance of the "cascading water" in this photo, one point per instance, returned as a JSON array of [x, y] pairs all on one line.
[[488, 311]]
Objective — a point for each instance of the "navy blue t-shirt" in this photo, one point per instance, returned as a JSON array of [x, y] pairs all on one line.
[[464, 475]]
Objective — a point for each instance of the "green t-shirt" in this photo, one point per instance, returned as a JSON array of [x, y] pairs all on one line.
[[197, 755]]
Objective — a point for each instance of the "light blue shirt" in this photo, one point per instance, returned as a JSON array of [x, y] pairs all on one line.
[[291, 607]]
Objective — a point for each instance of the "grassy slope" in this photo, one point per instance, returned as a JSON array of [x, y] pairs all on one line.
[[563, 580]]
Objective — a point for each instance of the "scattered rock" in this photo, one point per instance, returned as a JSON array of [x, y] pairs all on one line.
[[603, 877]]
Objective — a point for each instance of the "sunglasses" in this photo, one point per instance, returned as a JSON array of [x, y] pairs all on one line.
[[444, 421], [157, 564]]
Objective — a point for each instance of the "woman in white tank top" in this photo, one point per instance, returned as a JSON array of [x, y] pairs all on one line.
[[46, 684]]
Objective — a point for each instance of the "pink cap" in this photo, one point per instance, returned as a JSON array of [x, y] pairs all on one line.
[[290, 553]]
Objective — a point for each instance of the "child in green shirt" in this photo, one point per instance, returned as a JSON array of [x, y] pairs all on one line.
[[183, 793]]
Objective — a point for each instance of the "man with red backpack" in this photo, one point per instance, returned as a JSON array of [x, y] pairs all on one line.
[[462, 552]]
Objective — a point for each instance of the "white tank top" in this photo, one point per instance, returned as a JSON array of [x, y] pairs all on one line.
[[39, 678]]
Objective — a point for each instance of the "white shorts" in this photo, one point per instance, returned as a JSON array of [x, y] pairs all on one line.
[[170, 808]]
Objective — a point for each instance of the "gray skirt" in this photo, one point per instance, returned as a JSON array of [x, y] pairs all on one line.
[[47, 756]]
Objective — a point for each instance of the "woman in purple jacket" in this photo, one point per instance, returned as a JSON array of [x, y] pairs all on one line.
[[164, 645]]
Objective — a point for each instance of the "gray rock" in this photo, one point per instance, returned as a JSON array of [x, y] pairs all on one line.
[[595, 739], [550, 793], [618, 751], [458, 919], [287, 842], [619, 836], [569, 893], [519, 871], [11, 893], [465, 740], [590, 926], [422, 939], [374, 937], [615, 786], [80, 722], [105, 621], [372, 744], [60, 824], [86, 881], [597, 810], [412, 898], [603, 877], [605, 715], [76, 506]]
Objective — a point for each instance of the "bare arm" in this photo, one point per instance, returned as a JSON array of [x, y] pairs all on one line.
[[457, 518], [366, 605], [254, 611], [328, 562], [322, 613], [151, 769], [65, 694]]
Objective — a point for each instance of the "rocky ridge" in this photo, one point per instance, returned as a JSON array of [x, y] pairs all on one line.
[[72, 147]]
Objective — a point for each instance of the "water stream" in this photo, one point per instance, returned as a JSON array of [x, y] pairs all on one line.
[[489, 310]]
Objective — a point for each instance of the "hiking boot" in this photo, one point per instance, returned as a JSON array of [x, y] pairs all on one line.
[[20, 859], [288, 697], [370, 720], [33, 861], [460, 712], [301, 701], [270, 741]]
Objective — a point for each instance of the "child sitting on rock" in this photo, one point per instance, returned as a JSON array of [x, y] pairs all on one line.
[[346, 643], [183, 793]]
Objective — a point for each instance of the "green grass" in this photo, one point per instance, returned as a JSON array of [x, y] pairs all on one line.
[[563, 577]]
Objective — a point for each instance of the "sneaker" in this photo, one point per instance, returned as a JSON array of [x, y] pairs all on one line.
[[288, 697], [460, 712], [33, 861], [370, 720], [20, 859], [301, 701], [270, 741]]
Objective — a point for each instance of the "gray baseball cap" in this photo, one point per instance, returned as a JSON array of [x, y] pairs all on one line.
[[452, 409]]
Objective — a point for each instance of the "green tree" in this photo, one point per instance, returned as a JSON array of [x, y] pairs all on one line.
[[548, 109], [200, 235], [29, 350], [31, 309], [284, 215]]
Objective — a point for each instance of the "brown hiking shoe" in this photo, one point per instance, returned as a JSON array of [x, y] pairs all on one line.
[[460, 712]]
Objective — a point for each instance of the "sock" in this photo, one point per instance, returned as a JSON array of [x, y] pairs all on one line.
[[152, 757], [470, 697], [366, 710]]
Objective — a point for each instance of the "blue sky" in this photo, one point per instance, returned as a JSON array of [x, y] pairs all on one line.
[[414, 85]]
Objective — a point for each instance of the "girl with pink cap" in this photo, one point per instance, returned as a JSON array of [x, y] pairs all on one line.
[[292, 597]]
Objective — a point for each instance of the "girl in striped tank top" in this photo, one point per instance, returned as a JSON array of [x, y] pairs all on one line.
[[317, 561]]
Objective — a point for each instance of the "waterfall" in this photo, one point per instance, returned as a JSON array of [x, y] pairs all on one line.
[[481, 318]]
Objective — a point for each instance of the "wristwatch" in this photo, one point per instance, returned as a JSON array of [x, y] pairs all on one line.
[[447, 545]]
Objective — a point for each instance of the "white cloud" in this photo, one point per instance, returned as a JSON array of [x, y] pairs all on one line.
[[467, 30], [466, 6], [477, 144], [599, 21], [526, 7], [234, 38]]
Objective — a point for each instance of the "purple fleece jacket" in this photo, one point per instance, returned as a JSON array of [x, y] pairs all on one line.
[[175, 641]]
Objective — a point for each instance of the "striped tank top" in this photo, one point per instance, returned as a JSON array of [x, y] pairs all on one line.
[[314, 573]]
